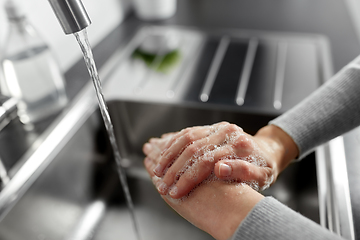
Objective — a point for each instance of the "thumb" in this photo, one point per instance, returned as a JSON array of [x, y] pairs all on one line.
[[240, 170]]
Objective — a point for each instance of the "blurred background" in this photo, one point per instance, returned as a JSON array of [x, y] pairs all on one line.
[[164, 69], [65, 48]]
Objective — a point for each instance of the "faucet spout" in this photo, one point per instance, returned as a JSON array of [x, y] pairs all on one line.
[[71, 15]]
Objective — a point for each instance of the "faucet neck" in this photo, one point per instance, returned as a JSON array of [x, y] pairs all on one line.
[[71, 15]]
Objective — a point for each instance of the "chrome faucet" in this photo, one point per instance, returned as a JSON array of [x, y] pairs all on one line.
[[71, 15]]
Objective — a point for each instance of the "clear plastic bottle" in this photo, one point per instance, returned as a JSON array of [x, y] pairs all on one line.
[[30, 71]]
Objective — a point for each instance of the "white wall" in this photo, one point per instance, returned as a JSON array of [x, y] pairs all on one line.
[[104, 14]]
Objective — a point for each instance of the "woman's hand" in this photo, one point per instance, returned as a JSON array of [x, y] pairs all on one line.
[[216, 207], [191, 155]]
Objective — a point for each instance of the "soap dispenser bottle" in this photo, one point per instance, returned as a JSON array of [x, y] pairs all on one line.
[[31, 73]]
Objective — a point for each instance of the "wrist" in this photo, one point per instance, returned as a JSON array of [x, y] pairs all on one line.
[[237, 204], [283, 147]]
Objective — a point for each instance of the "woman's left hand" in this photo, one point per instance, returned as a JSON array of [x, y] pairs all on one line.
[[216, 207]]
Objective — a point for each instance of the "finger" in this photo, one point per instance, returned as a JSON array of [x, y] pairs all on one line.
[[194, 175], [181, 140], [243, 144], [224, 134], [199, 171], [181, 133], [169, 135], [163, 141], [147, 148], [240, 170], [195, 170], [152, 151], [160, 142], [201, 150], [178, 143], [149, 166]]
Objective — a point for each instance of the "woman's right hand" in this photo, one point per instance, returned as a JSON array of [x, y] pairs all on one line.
[[192, 154]]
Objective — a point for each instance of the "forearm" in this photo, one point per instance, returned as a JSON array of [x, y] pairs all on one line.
[[329, 112], [270, 219]]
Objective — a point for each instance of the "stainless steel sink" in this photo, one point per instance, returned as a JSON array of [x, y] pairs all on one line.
[[78, 195], [136, 122], [68, 186]]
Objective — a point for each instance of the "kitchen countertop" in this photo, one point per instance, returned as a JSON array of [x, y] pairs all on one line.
[[327, 17]]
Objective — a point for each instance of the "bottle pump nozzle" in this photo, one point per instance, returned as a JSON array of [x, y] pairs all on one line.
[[71, 15]]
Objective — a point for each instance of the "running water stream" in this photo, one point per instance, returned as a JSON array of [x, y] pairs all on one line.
[[83, 41]]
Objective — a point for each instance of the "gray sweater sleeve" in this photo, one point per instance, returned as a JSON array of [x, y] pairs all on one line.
[[330, 111], [270, 219], [327, 113]]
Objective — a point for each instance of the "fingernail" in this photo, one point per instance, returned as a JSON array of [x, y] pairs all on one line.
[[163, 152], [224, 170], [162, 187], [173, 191], [157, 170]]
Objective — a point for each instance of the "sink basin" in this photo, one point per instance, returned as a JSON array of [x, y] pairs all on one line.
[[79, 194], [136, 122]]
